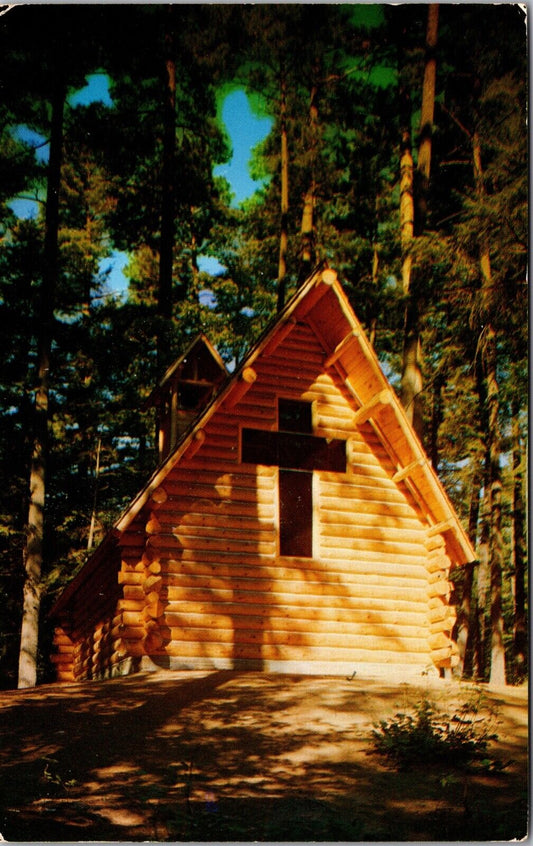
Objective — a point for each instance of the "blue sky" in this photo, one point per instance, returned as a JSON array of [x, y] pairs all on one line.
[[245, 130]]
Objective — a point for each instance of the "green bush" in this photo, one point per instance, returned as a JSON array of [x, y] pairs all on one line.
[[432, 737]]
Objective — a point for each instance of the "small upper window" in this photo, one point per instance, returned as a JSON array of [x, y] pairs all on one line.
[[295, 416]]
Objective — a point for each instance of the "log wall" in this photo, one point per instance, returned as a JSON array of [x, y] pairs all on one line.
[[201, 581]]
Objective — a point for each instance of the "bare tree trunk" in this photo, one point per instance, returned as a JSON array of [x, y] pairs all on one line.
[[467, 608], [519, 546], [412, 380], [308, 256], [426, 119], [33, 552], [489, 357], [92, 527], [411, 370], [436, 420], [168, 212], [375, 277], [284, 234]]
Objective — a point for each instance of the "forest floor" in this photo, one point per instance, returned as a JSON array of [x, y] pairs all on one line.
[[229, 756]]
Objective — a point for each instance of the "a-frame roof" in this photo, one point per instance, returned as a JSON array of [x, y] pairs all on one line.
[[200, 347], [325, 307]]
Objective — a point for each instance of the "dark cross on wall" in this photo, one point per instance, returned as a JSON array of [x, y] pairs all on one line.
[[297, 452]]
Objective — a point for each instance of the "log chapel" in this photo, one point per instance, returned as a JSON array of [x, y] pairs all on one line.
[[294, 523]]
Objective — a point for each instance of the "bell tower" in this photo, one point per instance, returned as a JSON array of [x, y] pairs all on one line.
[[184, 391]]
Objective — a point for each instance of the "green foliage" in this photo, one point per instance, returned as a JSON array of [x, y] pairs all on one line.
[[431, 737], [350, 63]]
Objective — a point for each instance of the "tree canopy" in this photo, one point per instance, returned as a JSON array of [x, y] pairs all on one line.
[[344, 177]]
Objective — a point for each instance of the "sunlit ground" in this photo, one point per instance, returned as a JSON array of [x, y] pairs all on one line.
[[229, 756]]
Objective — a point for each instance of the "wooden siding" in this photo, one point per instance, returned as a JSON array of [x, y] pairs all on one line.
[[201, 581]]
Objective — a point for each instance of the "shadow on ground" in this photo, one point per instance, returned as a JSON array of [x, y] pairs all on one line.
[[244, 756]]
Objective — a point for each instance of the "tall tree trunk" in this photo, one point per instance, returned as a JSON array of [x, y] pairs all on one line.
[[166, 249], [436, 420], [489, 357], [411, 370], [519, 546], [467, 615], [426, 120], [33, 551], [308, 256], [375, 278], [412, 380], [468, 608], [284, 233]]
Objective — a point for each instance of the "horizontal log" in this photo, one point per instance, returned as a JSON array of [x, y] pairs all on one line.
[[178, 615], [376, 591], [219, 520], [300, 608], [176, 509], [362, 544], [372, 637], [395, 526], [153, 610], [439, 640], [435, 549], [133, 539], [168, 544], [389, 536], [130, 604], [223, 491], [61, 658], [368, 509], [152, 584], [269, 652], [274, 629], [309, 585], [123, 648], [437, 601], [135, 632], [442, 657], [440, 588], [219, 474], [445, 625], [440, 613], [129, 618], [313, 572], [62, 640], [130, 578], [344, 488], [133, 592], [63, 675], [438, 564]]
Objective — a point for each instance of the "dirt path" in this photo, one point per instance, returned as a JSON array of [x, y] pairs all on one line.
[[244, 756]]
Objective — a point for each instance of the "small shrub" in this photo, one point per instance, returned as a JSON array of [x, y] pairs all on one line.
[[432, 737]]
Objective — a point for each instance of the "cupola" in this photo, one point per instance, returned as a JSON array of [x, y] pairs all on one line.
[[186, 388]]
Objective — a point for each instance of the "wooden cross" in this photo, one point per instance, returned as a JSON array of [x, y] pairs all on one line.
[[297, 453]]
